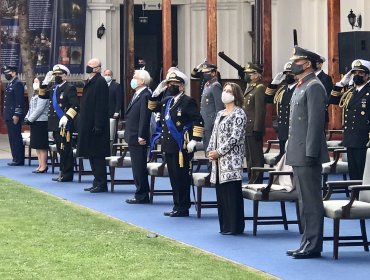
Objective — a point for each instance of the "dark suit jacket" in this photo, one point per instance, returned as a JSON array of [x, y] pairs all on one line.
[[14, 100], [327, 82], [115, 98], [137, 119], [93, 135]]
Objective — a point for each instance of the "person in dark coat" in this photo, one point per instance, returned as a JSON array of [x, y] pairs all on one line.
[[280, 92], [13, 114], [182, 127], [137, 134], [326, 80], [93, 133], [307, 150], [115, 95], [63, 109], [355, 102]]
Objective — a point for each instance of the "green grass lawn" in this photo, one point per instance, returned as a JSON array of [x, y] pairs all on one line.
[[43, 237]]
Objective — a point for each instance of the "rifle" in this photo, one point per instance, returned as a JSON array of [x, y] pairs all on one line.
[[233, 64]]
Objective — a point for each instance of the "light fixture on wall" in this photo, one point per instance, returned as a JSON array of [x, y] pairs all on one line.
[[100, 32], [352, 20], [143, 19]]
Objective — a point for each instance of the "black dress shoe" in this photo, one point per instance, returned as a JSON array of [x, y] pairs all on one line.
[[62, 179], [230, 233], [306, 255], [88, 189], [180, 213], [137, 201], [98, 190], [291, 252], [16, 163], [56, 179], [168, 213]]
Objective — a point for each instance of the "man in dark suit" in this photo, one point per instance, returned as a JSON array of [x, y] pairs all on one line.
[[182, 127], [93, 135], [326, 80], [137, 134], [63, 109], [356, 103], [115, 95], [255, 110], [13, 114], [307, 150]]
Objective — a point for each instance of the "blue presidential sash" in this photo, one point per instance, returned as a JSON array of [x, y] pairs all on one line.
[[178, 136], [57, 109]]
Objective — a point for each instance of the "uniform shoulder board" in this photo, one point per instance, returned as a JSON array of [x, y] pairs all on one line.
[[260, 85]]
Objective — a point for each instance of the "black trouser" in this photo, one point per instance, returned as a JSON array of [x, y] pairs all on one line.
[[66, 156], [16, 141], [180, 180], [138, 155], [230, 207], [282, 147], [254, 150], [356, 162], [99, 170]]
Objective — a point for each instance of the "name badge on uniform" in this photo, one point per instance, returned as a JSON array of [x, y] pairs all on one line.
[[179, 112], [363, 103]]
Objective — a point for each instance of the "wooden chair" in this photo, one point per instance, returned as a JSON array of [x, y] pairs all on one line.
[[199, 181], [358, 207], [278, 189]]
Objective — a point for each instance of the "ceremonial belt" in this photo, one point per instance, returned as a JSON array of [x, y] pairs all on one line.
[[178, 136]]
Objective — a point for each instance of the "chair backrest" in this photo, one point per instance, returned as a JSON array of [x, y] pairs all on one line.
[[112, 132], [365, 195]]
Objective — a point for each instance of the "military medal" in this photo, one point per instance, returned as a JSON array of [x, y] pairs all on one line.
[[178, 123], [179, 112], [362, 113], [167, 117], [367, 94], [61, 95], [363, 103]]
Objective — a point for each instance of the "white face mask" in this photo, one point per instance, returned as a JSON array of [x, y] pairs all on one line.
[[227, 97], [108, 78], [36, 86]]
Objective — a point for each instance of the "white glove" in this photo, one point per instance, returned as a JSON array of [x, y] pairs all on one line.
[[160, 88], [191, 145], [63, 121], [279, 77], [157, 117], [346, 78], [48, 78], [115, 115]]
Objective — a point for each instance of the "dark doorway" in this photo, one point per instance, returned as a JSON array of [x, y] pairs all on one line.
[[148, 40]]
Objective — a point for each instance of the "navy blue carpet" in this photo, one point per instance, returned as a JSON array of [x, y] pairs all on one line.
[[265, 252]]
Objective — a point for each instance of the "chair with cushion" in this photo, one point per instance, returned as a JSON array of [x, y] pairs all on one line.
[[278, 189], [358, 207], [270, 157], [157, 169], [201, 180]]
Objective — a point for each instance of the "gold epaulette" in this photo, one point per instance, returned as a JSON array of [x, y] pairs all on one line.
[[152, 104], [336, 93], [71, 113], [260, 85], [270, 91], [198, 131], [42, 91]]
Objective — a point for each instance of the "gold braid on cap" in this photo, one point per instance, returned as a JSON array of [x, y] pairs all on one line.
[[71, 113], [198, 131], [152, 104]]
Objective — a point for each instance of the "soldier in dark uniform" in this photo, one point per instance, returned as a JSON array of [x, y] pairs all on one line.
[[255, 110], [182, 127], [197, 74], [307, 150], [13, 114], [355, 102], [63, 108], [326, 80], [279, 92], [211, 101]]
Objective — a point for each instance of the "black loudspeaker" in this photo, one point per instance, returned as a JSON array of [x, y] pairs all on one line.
[[352, 45]]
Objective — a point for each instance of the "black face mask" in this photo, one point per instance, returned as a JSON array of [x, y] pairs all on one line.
[[141, 65], [247, 78], [297, 69], [358, 80], [58, 80], [89, 69], [207, 76], [173, 90], [8, 76], [289, 79]]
